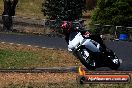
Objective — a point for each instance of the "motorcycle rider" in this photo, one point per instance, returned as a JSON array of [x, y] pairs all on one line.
[[69, 26]]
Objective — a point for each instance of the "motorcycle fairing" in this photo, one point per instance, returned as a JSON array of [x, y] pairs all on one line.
[[75, 39], [89, 45]]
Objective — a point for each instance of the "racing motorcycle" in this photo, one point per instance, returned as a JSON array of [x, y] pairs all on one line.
[[88, 48]]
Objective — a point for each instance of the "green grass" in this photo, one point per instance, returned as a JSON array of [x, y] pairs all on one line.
[[16, 59], [13, 56]]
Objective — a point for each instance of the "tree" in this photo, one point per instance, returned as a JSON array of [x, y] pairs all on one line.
[[113, 12], [63, 9]]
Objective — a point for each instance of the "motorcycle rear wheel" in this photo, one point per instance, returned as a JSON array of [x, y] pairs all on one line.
[[85, 60]]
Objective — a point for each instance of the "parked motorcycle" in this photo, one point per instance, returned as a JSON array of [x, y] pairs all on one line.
[[88, 48]]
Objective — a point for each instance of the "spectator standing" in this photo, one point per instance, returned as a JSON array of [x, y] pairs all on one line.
[[9, 11]]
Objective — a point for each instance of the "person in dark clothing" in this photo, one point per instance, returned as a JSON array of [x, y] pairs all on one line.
[[9, 11]]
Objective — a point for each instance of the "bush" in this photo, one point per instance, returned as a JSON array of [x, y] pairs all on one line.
[[113, 12], [63, 9]]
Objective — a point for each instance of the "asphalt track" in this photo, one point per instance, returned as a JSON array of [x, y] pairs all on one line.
[[123, 49]]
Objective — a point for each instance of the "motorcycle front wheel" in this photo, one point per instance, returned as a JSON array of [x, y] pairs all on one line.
[[85, 59], [115, 64], [114, 61]]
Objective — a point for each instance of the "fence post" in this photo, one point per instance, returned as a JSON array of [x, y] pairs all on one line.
[[130, 32]]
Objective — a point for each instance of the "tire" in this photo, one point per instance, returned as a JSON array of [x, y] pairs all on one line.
[[114, 61], [115, 66], [86, 61]]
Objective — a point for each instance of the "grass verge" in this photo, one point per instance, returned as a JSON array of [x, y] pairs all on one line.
[[49, 80], [15, 56]]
